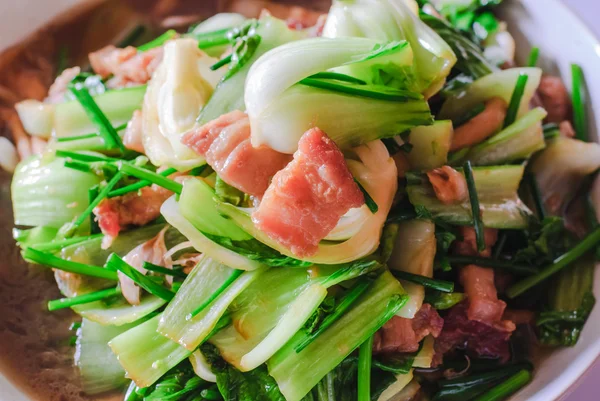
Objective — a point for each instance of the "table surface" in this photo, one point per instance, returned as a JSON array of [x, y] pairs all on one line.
[[588, 11]]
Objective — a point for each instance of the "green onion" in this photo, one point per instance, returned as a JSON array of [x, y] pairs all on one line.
[[469, 115], [152, 177], [579, 112], [365, 356], [234, 276], [224, 61], [494, 263], [533, 57], [443, 301], [80, 166], [92, 195], [82, 299], [83, 157], [56, 245], [551, 130], [500, 245], [515, 100], [475, 209], [439, 285], [338, 77], [345, 303], [96, 116], [368, 91], [369, 201], [536, 194], [159, 41], [101, 195], [87, 136], [163, 270], [116, 263], [138, 185], [75, 326], [587, 244], [43, 258], [132, 36], [507, 388]]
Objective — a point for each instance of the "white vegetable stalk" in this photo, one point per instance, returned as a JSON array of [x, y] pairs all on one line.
[[219, 21], [8, 155], [389, 20], [37, 117], [202, 368], [178, 91]]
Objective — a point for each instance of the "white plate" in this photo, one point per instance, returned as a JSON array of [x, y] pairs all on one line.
[[562, 39]]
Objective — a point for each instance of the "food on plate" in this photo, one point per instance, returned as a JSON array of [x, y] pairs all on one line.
[[371, 203]]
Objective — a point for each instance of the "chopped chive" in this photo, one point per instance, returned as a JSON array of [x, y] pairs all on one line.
[[152, 177], [362, 90], [101, 195], [536, 194], [75, 326], [234, 276], [224, 61], [391, 145], [79, 166], [92, 195], [83, 157], [73, 341], [510, 386], [500, 245], [475, 209], [551, 131], [494, 263], [159, 41], [515, 100], [345, 303], [82, 299], [44, 258], [87, 136], [163, 270], [578, 100], [587, 244], [469, 115], [369, 201], [96, 116], [214, 40], [116, 263], [138, 185], [365, 357], [56, 245], [338, 77], [533, 57], [439, 285], [196, 171]]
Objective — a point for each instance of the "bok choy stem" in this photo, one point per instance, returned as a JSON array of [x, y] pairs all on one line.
[[82, 299], [365, 356], [587, 244], [234, 276], [43, 258]]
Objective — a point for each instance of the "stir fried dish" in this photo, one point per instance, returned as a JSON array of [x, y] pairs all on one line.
[[374, 203]]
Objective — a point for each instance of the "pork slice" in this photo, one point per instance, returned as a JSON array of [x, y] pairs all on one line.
[[484, 305], [56, 93], [555, 98], [127, 65], [201, 138], [467, 246], [308, 197], [448, 184], [107, 60], [479, 338], [404, 335], [229, 138]]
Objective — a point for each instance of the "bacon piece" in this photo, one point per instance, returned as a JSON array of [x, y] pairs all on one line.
[[127, 65], [152, 251], [56, 93], [448, 184], [137, 209], [468, 245], [482, 126], [566, 129], [306, 199], [225, 142], [133, 133], [555, 98], [404, 335], [484, 305], [479, 338]]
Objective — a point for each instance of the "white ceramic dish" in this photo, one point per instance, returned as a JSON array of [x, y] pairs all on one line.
[[562, 38]]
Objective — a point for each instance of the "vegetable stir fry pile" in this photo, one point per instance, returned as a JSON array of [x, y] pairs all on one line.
[[373, 204]]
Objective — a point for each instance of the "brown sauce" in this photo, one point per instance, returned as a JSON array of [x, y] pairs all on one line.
[[34, 344]]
